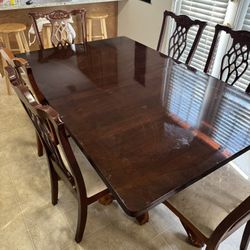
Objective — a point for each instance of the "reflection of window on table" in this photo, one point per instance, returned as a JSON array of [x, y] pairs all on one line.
[[185, 95], [232, 122]]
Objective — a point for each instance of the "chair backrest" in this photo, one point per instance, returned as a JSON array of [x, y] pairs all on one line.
[[178, 39], [62, 32], [24, 72], [238, 217], [236, 60], [8, 58], [51, 131]]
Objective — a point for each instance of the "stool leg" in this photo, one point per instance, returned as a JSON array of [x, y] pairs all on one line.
[[19, 42], [6, 41], [44, 36], [48, 34], [8, 88], [25, 43], [89, 33], [5, 78], [104, 28]]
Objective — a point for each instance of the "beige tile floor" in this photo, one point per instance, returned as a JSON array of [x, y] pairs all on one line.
[[29, 221]]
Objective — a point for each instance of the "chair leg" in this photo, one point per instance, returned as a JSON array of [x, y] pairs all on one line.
[[245, 238], [192, 237], [39, 146], [82, 218], [53, 183]]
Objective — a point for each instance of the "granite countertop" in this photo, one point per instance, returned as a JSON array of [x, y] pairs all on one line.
[[49, 3]]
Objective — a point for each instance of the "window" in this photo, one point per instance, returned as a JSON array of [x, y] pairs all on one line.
[[212, 12], [233, 13], [244, 81]]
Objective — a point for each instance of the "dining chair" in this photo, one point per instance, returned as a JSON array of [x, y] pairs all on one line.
[[178, 40], [60, 27], [22, 69], [213, 208], [8, 58], [235, 61], [61, 159]]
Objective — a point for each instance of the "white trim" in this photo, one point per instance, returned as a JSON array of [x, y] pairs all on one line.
[[176, 6], [241, 12]]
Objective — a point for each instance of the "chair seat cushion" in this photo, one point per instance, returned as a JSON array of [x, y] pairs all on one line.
[[93, 182], [207, 202]]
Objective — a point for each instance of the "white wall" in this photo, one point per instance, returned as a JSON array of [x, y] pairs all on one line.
[[142, 21]]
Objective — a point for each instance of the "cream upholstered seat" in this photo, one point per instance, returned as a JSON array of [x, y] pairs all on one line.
[[93, 182], [206, 203]]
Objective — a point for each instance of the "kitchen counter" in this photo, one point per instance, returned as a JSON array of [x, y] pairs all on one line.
[[50, 3]]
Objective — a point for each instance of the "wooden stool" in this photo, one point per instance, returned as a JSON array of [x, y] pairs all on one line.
[[102, 20], [18, 30]]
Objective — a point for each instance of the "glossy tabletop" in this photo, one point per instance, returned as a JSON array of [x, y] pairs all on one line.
[[149, 126]]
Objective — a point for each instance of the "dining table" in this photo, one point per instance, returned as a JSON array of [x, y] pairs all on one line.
[[149, 125]]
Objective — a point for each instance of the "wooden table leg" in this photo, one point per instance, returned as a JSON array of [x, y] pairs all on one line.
[[142, 219]]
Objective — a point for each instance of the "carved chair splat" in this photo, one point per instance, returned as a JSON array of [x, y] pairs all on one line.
[[178, 39], [61, 28], [235, 61]]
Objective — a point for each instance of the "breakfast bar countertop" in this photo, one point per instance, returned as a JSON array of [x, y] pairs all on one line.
[[50, 3]]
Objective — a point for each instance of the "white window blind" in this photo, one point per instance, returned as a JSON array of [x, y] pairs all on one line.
[[213, 12], [244, 81]]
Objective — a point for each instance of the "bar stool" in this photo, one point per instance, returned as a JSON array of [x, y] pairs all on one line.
[[102, 19], [18, 30]]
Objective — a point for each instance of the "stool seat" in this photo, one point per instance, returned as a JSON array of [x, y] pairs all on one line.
[[12, 27], [97, 16]]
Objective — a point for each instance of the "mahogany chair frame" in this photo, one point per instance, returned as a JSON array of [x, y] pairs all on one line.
[[238, 217], [19, 64], [59, 16], [178, 39], [229, 66], [52, 133]]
